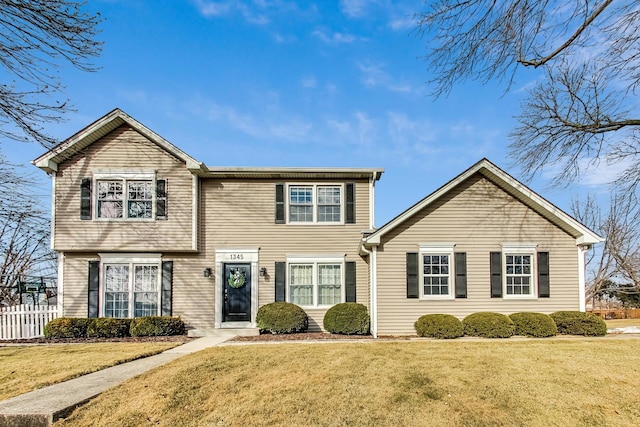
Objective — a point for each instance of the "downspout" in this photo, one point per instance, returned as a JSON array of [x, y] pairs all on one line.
[[372, 201], [374, 291], [582, 288]]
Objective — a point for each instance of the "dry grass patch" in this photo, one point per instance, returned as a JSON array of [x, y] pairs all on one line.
[[532, 382], [23, 369], [622, 323]]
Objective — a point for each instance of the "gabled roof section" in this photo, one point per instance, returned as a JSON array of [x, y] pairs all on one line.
[[51, 159], [582, 234]]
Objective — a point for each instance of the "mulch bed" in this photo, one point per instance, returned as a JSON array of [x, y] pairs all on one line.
[[307, 336], [174, 338]]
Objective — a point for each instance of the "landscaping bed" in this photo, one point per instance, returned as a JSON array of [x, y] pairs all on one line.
[[171, 338]]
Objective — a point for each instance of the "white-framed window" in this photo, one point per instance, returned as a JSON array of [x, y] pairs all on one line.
[[130, 287], [315, 203], [315, 282], [518, 260], [125, 196], [436, 266]]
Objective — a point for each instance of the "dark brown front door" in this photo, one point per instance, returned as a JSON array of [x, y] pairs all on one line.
[[237, 293]]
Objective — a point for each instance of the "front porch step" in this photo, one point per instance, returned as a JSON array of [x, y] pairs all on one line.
[[224, 332]]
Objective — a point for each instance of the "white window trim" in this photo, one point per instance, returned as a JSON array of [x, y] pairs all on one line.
[[131, 260], [315, 261], [314, 194], [520, 249], [125, 177], [437, 249]]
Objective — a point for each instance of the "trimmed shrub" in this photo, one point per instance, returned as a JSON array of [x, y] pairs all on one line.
[[537, 325], [282, 318], [67, 327], [348, 318], [153, 326], [579, 323], [443, 326], [488, 325], [108, 327]]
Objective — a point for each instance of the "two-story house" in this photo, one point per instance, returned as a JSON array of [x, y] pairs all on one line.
[[142, 228]]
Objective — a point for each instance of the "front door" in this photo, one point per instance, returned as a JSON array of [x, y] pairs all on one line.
[[237, 293]]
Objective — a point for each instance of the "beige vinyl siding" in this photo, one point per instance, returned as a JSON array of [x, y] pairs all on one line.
[[478, 217], [123, 150], [75, 290], [237, 214], [240, 214]]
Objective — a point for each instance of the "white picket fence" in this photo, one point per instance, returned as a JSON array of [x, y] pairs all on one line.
[[25, 321]]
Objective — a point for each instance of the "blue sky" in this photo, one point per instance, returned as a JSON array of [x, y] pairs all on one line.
[[283, 83]]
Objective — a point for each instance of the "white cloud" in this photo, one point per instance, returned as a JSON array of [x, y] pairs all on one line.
[[354, 8], [374, 75], [336, 37], [259, 12], [402, 23], [308, 82]]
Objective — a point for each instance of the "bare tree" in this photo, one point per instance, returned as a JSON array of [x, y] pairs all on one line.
[[37, 38], [581, 109], [24, 231], [618, 260]]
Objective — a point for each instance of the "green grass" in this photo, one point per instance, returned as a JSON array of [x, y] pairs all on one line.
[[26, 368], [542, 382]]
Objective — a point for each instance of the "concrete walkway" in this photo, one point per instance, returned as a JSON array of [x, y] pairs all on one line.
[[43, 406]]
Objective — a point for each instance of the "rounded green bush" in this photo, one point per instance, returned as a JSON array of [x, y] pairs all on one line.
[[108, 327], [537, 325], [488, 325], [154, 326], [579, 323], [443, 326], [281, 318], [348, 318], [67, 327]]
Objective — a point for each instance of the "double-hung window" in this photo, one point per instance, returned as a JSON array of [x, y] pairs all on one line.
[[316, 282], [519, 277], [130, 287], [436, 261], [125, 196], [315, 203]]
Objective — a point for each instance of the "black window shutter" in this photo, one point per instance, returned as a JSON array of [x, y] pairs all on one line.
[[280, 280], [85, 198], [412, 275], [496, 274], [167, 288], [280, 204], [350, 281], [544, 290], [94, 288], [461, 274], [161, 199], [351, 203]]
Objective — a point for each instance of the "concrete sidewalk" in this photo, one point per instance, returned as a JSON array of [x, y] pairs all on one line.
[[43, 406]]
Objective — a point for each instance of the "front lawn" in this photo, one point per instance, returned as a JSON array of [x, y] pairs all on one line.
[[622, 323], [409, 383], [27, 368]]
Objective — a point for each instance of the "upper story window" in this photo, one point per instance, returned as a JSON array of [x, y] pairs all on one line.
[[125, 199], [124, 196], [315, 204]]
